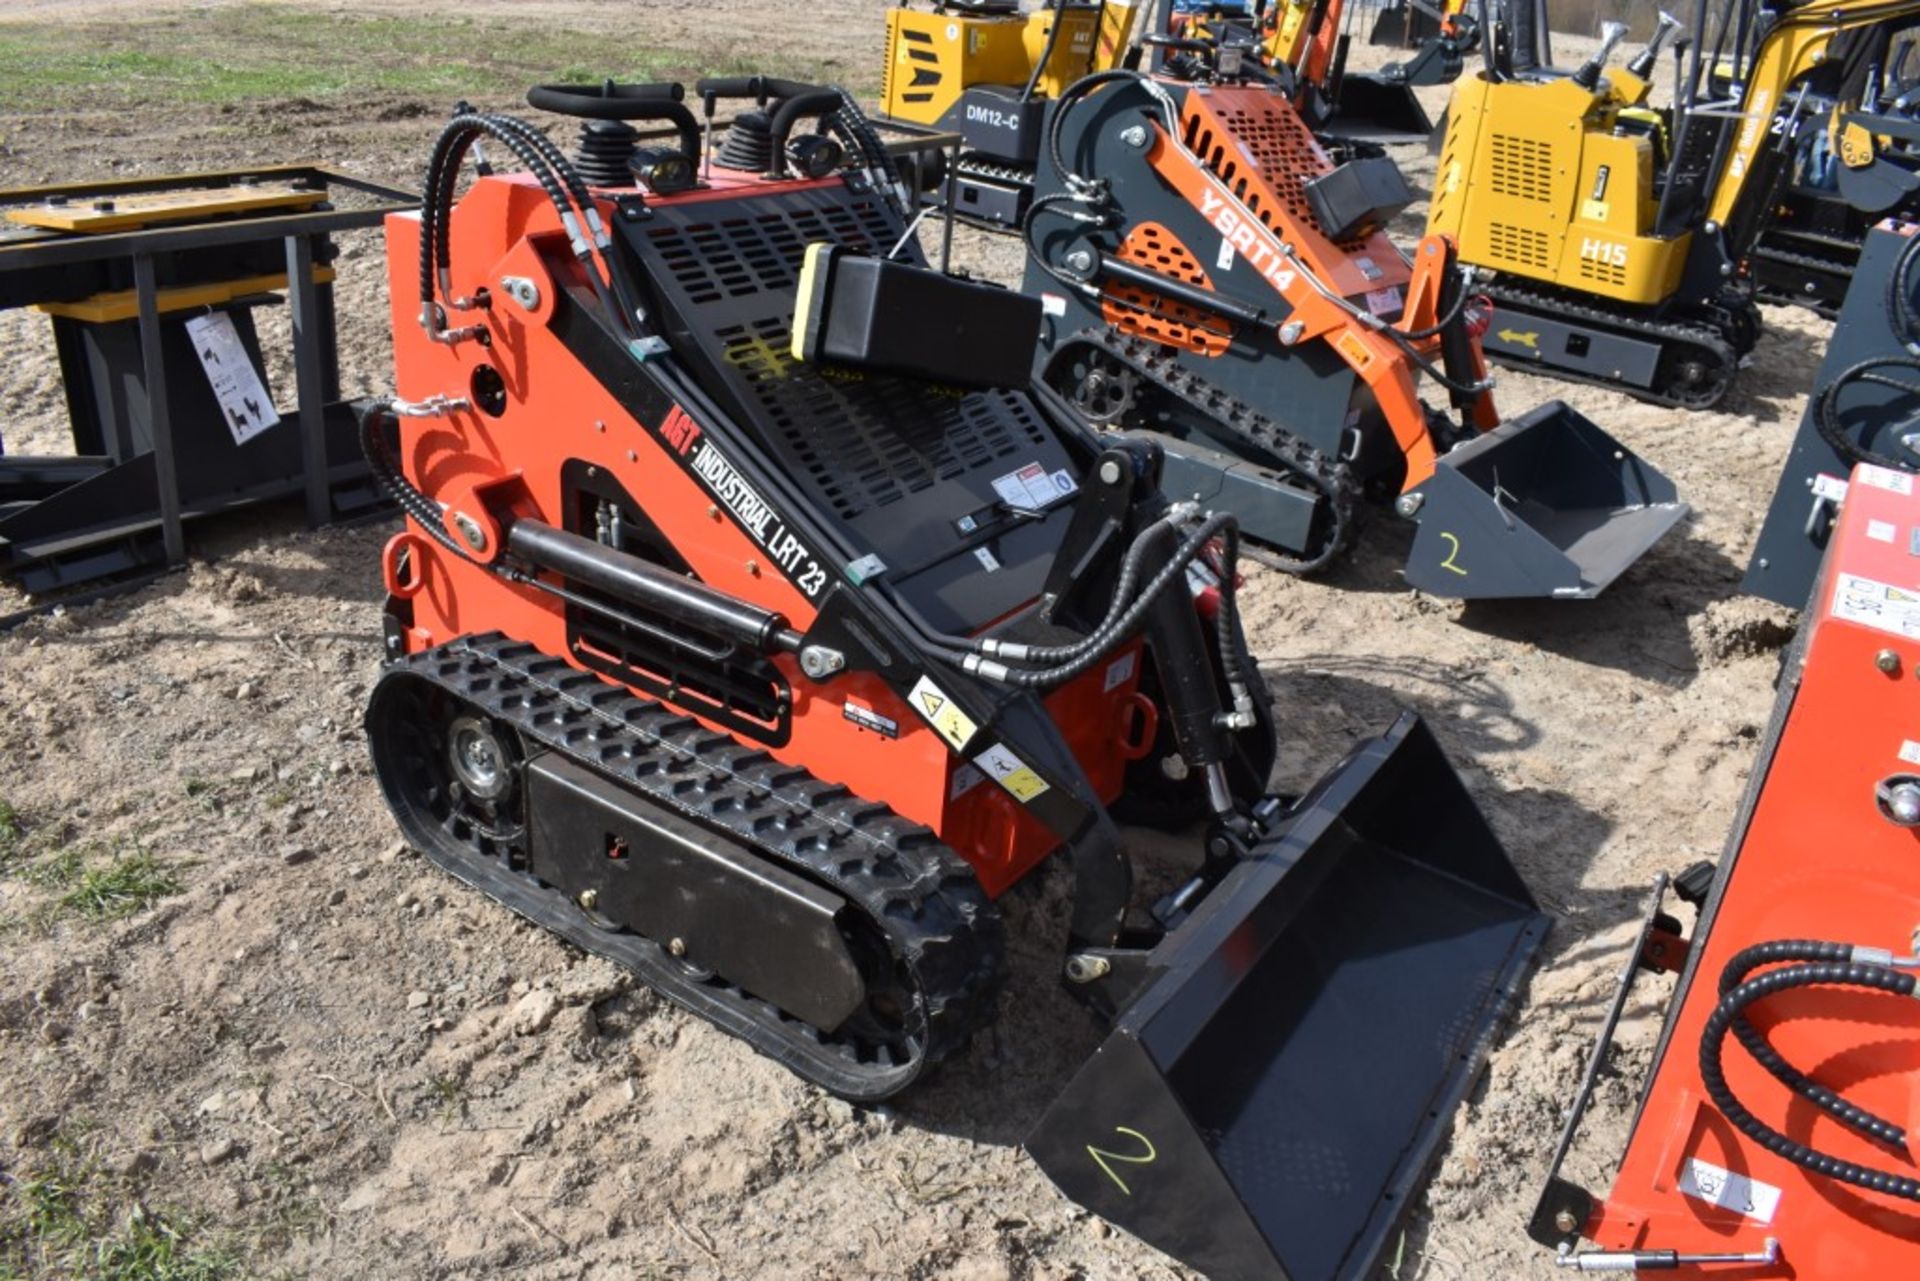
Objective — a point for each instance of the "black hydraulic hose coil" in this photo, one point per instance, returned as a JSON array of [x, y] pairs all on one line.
[[1732, 1006], [1774, 953], [1870, 372]]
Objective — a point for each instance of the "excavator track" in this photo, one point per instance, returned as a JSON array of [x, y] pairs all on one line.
[[1715, 348], [1835, 266], [1155, 365], [945, 961]]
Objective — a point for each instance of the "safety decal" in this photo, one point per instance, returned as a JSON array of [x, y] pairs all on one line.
[[941, 712], [1881, 606], [1830, 487], [1033, 487], [1886, 478], [1012, 773], [1881, 531], [1118, 671], [1705, 1181]]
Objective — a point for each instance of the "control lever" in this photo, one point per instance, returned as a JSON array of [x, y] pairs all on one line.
[[1644, 62], [1611, 34]]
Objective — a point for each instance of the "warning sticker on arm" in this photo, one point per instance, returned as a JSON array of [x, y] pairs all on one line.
[[941, 712]]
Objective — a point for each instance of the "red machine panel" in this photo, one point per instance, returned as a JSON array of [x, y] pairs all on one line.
[[1827, 852]]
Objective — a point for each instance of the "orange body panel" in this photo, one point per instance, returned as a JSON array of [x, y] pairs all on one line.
[[1257, 153], [1816, 861], [557, 410]]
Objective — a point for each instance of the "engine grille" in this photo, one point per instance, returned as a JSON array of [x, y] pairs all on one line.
[[1521, 168], [1263, 152], [1518, 246]]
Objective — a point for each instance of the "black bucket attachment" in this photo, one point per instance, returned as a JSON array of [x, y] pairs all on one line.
[[1269, 1102], [1376, 108], [1402, 24], [1546, 504]]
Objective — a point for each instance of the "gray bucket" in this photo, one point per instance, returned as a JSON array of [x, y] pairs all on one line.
[[1546, 504]]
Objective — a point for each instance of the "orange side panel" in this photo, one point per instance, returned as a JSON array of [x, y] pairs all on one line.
[[1133, 310], [1817, 861]]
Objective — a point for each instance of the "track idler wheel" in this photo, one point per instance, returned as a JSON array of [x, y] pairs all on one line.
[[1100, 387]]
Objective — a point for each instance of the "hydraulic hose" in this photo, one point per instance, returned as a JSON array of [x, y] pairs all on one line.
[[589, 212], [1733, 1005], [1105, 640], [557, 178], [1774, 953], [1826, 407], [426, 513], [1122, 595], [1906, 326]]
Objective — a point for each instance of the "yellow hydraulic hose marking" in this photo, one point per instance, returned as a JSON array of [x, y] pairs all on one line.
[[1453, 549], [1102, 1155]]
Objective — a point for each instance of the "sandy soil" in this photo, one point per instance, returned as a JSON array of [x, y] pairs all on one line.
[[361, 1068]]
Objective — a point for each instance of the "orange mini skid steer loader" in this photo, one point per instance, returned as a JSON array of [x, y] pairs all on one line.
[[754, 632], [1213, 279]]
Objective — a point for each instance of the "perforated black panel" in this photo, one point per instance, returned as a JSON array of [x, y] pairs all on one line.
[[897, 461], [874, 441]]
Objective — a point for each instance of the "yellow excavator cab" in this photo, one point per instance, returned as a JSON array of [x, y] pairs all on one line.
[[1539, 180]]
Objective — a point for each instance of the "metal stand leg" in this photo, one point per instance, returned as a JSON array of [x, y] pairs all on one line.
[[159, 421], [309, 378]]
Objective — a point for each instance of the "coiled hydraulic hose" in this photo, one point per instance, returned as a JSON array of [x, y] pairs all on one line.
[[1731, 1011], [557, 178], [1826, 407], [1813, 950], [1875, 370]]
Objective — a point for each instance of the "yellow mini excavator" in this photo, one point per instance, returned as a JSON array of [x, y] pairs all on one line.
[[986, 70], [1615, 235]]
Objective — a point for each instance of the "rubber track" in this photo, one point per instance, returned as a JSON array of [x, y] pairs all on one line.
[[1840, 268], [1332, 478], [920, 892], [1666, 333]]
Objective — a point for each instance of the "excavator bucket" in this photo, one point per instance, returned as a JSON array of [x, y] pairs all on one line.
[[1271, 1098], [1378, 108], [1545, 504]]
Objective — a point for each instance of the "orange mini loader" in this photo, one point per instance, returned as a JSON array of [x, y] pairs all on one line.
[[758, 623], [1213, 279], [1775, 1138]]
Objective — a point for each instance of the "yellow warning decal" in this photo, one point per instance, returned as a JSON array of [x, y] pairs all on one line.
[[1012, 773], [1358, 354], [941, 712]]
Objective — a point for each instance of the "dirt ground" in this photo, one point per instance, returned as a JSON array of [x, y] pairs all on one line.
[[331, 1054]]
